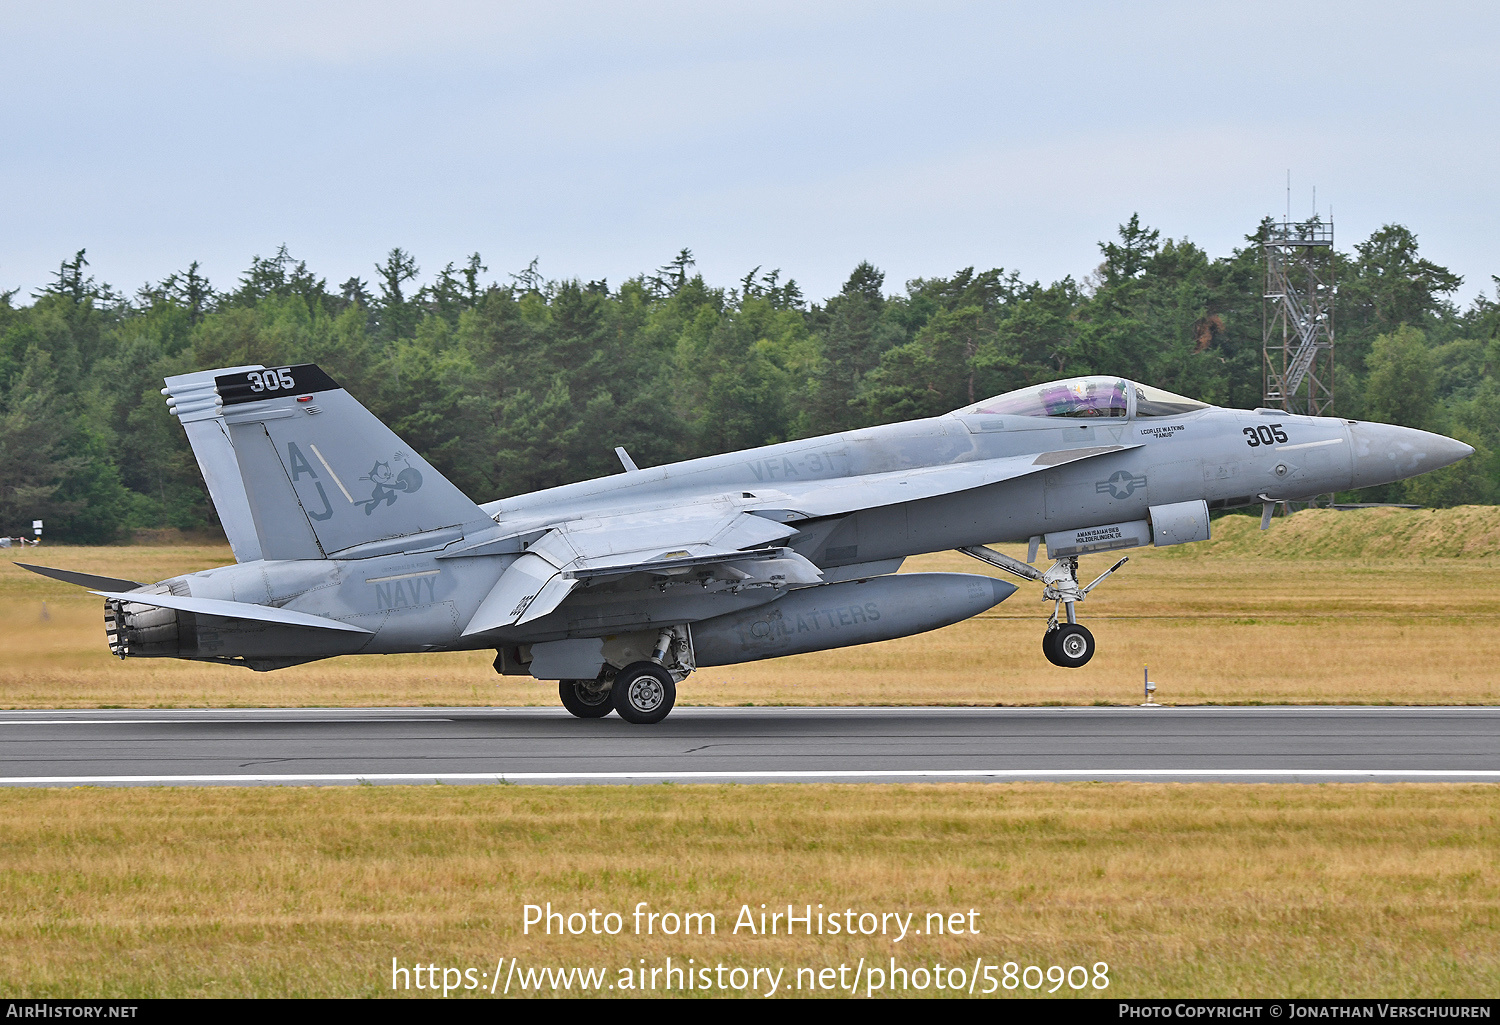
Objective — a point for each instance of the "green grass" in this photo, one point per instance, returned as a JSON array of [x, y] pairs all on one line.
[[1467, 532]]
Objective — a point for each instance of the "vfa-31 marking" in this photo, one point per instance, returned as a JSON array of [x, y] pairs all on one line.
[[346, 541]]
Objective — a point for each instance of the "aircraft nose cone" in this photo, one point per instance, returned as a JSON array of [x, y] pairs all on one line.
[[1453, 450], [1382, 453]]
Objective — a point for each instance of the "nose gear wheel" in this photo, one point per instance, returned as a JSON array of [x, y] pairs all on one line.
[[1071, 645], [1065, 642]]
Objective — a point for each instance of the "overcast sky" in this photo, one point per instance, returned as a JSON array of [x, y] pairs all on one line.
[[603, 137]]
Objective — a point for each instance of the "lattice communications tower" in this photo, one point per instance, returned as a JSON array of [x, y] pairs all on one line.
[[1297, 317]]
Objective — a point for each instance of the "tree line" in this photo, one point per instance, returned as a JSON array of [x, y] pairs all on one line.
[[521, 382]]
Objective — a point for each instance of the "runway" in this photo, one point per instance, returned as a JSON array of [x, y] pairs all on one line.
[[748, 745]]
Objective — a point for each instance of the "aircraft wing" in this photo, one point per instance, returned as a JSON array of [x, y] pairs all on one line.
[[666, 542], [670, 540], [233, 610], [676, 531], [850, 494]]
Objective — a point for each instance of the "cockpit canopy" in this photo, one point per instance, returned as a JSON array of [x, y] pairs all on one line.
[[1087, 397]]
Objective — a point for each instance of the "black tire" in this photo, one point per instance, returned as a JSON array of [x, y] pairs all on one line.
[[644, 693], [587, 699], [1049, 646], [1073, 647]]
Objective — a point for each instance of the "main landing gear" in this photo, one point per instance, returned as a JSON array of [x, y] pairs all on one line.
[[643, 692], [1066, 643], [587, 699]]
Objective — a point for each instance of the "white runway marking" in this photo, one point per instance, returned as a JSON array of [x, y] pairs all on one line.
[[189, 722], [771, 774], [20, 715]]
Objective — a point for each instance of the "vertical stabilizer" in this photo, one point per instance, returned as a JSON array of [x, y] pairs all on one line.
[[322, 475], [192, 399]]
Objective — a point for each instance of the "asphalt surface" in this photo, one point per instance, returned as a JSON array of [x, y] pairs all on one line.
[[545, 745]]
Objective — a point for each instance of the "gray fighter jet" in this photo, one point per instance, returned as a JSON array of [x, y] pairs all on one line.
[[348, 542]]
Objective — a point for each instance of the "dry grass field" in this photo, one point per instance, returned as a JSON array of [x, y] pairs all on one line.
[[1201, 890], [1365, 607]]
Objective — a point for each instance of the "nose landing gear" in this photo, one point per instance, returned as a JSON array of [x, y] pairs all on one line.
[[1069, 645], [1066, 643]]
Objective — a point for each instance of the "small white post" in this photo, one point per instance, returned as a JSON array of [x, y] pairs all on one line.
[[1150, 689]]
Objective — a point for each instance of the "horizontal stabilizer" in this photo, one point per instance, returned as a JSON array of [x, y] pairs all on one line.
[[69, 576], [234, 610]]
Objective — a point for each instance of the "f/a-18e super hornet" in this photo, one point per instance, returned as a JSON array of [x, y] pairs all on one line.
[[347, 541]]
